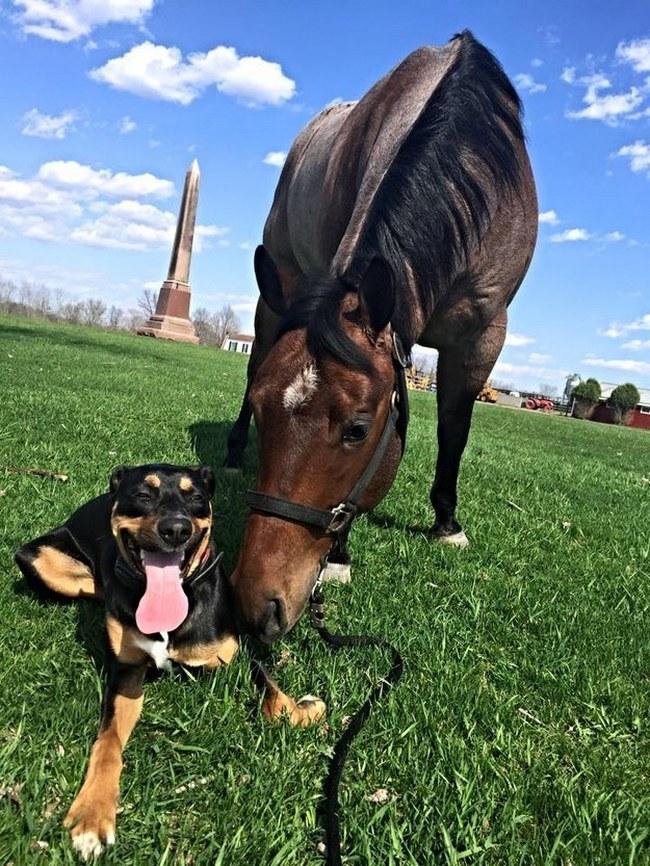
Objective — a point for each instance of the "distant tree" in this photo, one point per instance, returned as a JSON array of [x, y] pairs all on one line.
[[72, 312], [503, 385], [211, 328], [589, 391], [93, 312], [225, 322], [547, 390], [147, 302], [115, 316], [623, 399]]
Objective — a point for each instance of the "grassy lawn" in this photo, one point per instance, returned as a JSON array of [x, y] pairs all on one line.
[[520, 731]]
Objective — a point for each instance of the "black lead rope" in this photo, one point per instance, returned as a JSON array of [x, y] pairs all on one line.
[[332, 821]]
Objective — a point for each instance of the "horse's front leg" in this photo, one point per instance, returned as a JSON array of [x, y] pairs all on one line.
[[462, 372], [266, 325]]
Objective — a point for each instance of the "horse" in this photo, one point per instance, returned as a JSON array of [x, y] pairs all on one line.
[[409, 216]]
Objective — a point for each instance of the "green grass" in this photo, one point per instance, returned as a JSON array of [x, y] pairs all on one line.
[[519, 733]]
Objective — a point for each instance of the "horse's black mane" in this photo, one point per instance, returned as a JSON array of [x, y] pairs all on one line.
[[432, 207]]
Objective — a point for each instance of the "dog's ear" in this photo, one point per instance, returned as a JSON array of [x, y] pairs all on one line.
[[116, 477], [268, 281], [207, 477]]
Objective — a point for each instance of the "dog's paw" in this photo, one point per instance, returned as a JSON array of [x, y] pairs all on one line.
[[92, 825], [308, 711]]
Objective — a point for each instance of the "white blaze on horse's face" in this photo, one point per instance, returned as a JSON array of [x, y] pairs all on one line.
[[301, 388]]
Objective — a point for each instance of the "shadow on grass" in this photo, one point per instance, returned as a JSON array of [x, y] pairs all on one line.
[[209, 442], [65, 338], [90, 630]]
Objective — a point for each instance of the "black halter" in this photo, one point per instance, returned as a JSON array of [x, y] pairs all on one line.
[[335, 521]]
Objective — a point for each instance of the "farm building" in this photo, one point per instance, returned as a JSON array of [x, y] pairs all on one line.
[[238, 343], [639, 416]]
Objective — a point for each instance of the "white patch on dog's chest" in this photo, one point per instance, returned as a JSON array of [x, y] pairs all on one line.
[[157, 649]]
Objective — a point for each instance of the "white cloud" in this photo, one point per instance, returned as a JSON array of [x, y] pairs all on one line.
[[69, 174], [528, 371], [609, 107], [67, 20], [628, 365], [524, 81], [614, 237], [126, 125], [536, 62], [40, 125], [571, 235], [71, 202], [246, 245], [549, 217], [636, 52], [568, 74], [638, 154], [160, 72], [517, 340], [539, 358], [636, 345], [617, 329], [275, 157]]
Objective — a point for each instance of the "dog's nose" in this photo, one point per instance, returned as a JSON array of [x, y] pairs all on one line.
[[175, 530], [271, 624]]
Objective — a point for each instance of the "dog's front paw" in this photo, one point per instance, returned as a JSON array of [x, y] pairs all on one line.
[[92, 823], [308, 711]]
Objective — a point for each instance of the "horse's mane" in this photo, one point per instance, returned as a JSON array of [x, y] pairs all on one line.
[[433, 204], [317, 307]]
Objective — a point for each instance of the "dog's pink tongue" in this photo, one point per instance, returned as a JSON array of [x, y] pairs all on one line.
[[164, 605]]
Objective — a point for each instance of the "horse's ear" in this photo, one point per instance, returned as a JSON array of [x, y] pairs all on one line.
[[268, 281], [377, 295]]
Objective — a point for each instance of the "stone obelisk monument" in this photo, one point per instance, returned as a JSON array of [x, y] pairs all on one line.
[[171, 321]]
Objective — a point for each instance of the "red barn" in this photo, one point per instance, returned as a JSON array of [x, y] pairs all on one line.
[[638, 417]]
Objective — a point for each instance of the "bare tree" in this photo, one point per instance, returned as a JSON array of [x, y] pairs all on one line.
[[226, 321], [547, 390], [211, 328], [93, 312], [115, 316], [147, 302]]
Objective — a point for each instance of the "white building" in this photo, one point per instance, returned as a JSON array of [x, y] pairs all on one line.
[[238, 343]]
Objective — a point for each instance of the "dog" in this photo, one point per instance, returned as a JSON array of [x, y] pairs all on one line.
[[145, 548]]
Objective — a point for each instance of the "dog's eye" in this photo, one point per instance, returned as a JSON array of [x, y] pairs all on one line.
[[197, 498], [356, 431], [144, 496]]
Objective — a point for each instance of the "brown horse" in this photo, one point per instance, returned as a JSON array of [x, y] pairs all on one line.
[[413, 213]]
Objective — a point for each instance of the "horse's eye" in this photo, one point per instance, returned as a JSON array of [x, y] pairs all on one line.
[[356, 431]]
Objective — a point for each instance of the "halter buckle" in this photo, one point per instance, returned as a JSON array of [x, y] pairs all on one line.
[[342, 517]]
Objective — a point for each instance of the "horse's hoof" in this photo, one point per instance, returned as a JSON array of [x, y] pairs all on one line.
[[337, 572], [457, 539]]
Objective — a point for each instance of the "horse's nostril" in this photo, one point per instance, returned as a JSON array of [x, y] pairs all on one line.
[[272, 622]]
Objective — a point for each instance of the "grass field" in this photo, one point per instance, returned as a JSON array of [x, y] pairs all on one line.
[[520, 732]]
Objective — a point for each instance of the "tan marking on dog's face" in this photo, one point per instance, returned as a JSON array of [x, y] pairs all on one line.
[[185, 483], [64, 574], [140, 528], [123, 640], [200, 524], [152, 480], [209, 655]]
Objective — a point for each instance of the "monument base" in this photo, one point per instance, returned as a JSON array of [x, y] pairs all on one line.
[[169, 328]]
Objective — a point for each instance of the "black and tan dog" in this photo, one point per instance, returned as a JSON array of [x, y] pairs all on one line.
[[145, 548]]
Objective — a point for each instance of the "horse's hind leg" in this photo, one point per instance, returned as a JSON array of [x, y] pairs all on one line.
[[266, 325], [462, 372]]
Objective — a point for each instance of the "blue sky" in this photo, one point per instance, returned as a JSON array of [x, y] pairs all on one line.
[[111, 101]]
